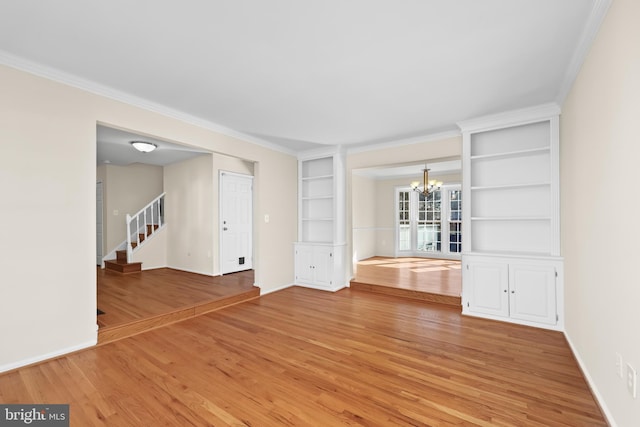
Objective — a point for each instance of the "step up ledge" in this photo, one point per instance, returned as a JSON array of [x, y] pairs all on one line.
[[132, 267]]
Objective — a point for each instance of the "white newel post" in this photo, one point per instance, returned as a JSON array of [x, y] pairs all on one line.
[[128, 238]]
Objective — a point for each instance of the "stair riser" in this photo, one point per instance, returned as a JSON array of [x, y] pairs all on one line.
[[124, 268]]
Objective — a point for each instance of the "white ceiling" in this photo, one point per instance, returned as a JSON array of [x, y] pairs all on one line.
[[114, 147], [413, 170], [297, 73]]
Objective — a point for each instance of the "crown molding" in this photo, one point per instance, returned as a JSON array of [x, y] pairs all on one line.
[[105, 91], [407, 141], [510, 118], [591, 28]]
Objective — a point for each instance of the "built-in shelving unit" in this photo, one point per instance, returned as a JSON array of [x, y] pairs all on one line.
[[511, 249], [319, 252], [317, 200]]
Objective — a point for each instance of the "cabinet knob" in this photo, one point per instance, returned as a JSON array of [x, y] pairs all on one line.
[[513, 292], [505, 291]]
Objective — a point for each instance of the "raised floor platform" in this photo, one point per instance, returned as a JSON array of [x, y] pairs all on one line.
[[139, 302], [426, 279]]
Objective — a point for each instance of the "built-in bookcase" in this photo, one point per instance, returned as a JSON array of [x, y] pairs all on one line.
[[320, 250], [511, 249], [513, 188], [317, 194]]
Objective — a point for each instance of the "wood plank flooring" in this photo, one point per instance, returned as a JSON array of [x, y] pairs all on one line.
[[427, 279], [311, 358], [137, 302]]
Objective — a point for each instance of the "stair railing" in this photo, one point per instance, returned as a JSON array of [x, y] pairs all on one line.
[[145, 222]]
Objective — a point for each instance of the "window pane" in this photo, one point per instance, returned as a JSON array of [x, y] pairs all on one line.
[[455, 216], [429, 226], [404, 243]]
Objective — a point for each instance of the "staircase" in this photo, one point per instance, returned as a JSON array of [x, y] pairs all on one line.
[[139, 227], [121, 265]]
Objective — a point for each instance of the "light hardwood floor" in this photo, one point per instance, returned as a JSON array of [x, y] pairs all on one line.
[[137, 302], [429, 279], [305, 357]]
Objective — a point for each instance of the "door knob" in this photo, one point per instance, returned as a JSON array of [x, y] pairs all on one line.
[[224, 228]]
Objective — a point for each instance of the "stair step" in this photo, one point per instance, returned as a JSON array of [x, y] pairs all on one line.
[[151, 228], [121, 257], [407, 293], [131, 267]]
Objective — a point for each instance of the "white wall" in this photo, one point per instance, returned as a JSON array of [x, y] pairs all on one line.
[[48, 171], [600, 230]]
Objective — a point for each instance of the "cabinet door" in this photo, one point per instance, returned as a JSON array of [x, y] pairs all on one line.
[[323, 266], [304, 264], [532, 292], [488, 288]]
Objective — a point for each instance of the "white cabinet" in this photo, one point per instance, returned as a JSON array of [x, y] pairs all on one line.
[[511, 221], [521, 290], [532, 291], [319, 252], [319, 266], [487, 283]]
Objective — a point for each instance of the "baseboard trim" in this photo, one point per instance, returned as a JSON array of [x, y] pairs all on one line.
[[191, 271], [48, 356], [269, 291], [594, 390]]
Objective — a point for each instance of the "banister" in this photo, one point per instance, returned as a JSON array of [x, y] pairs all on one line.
[[141, 215]]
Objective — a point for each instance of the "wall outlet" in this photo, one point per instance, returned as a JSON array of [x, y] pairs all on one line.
[[631, 380], [619, 365]]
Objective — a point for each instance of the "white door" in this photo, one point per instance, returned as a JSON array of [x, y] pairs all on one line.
[[236, 222], [99, 223]]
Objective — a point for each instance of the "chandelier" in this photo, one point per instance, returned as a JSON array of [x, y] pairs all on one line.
[[428, 186]]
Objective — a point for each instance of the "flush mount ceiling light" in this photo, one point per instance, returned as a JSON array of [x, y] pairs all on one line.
[[143, 146]]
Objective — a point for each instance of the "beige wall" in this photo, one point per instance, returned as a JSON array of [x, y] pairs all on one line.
[[445, 148], [363, 205], [126, 189], [101, 176], [153, 254], [48, 173], [600, 233], [189, 211]]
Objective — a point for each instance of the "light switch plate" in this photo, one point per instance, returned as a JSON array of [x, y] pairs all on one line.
[[631, 380]]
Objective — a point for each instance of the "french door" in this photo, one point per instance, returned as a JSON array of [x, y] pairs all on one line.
[[429, 225]]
